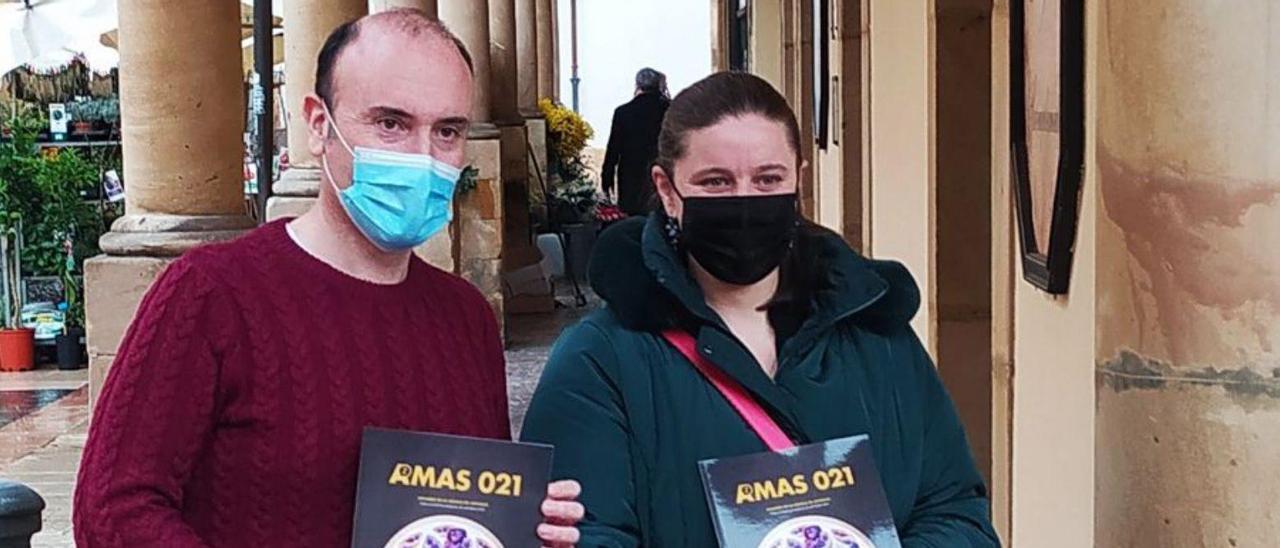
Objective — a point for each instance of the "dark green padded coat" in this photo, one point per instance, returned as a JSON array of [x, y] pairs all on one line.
[[630, 417]]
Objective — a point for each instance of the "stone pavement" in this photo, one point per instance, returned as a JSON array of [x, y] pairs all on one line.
[[49, 414], [47, 418], [529, 343]]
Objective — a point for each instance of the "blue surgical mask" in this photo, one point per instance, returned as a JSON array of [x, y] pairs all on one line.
[[397, 200]]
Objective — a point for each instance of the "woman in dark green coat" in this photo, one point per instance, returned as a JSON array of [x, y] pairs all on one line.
[[817, 334]]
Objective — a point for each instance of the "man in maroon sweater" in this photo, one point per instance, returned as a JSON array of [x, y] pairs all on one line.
[[232, 416]]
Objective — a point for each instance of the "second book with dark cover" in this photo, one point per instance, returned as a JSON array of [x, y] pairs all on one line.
[[419, 490], [825, 495]]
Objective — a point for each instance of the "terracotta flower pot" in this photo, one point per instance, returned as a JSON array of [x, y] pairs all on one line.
[[17, 349]]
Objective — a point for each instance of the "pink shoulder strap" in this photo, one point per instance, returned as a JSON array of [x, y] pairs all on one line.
[[738, 397]]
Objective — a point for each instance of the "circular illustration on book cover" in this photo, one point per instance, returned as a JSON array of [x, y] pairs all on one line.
[[444, 532], [816, 532]]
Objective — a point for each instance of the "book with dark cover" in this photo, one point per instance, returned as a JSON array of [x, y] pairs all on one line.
[[825, 495], [419, 490]]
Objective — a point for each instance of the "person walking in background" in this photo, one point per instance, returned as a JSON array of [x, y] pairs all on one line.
[[633, 144]]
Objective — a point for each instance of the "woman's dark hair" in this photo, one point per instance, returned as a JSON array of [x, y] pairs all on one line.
[[727, 94], [714, 98]]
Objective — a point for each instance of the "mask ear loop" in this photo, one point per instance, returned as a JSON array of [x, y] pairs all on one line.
[[332, 124], [795, 234], [671, 227]]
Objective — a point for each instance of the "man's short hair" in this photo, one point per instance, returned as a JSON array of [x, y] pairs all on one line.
[[413, 21], [650, 80]]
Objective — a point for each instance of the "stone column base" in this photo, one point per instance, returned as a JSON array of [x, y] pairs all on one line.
[[113, 288], [295, 193], [158, 235], [137, 249]]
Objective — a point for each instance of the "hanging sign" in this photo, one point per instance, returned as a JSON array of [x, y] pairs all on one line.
[[57, 118]]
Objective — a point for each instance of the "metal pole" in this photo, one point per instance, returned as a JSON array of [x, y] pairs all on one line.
[[573, 27], [264, 65]]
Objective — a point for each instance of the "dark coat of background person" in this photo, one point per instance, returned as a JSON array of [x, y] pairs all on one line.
[[633, 145]]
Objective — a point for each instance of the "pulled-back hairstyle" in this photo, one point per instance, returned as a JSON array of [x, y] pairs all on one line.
[[714, 98]]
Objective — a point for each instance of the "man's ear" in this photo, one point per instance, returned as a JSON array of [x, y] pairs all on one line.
[[318, 122]]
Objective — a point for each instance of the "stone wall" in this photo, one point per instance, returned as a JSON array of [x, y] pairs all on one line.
[[477, 225]]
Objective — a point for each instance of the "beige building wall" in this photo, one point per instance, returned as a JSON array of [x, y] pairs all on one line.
[[901, 138], [961, 302], [829, 187], [948, 216], [801, 21], [831, 181], [828, 168], [719, 35], [766, 57], [1053, 339]]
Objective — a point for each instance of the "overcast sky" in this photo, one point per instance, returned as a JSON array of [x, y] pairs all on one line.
[[618, 37]]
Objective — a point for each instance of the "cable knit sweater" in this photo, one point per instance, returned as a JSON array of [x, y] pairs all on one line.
[[233, 412]]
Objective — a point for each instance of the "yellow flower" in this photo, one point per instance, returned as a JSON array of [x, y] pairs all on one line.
[[568, 131]]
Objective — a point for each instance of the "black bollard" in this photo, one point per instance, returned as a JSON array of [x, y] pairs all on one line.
[[20, 509]]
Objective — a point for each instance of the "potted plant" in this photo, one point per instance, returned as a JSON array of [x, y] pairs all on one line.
[[19, 164], [574, 201], [66, 220], [82, 117], [108, 113], [103, 114], [71, 347], [17, 343]]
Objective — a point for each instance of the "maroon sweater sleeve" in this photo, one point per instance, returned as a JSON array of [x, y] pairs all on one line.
[[153, 416], [494, 375]]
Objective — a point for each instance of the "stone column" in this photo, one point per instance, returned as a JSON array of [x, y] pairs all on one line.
[[555, 49], [428, 6], [1188, 305], [183, 119], [527, 57], [477, 230], [546, 50], [503, 61], [518, 249], [307, 23], [533, 37], [469, 20]]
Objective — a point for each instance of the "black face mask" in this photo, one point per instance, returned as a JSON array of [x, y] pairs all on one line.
[[740, 239]]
